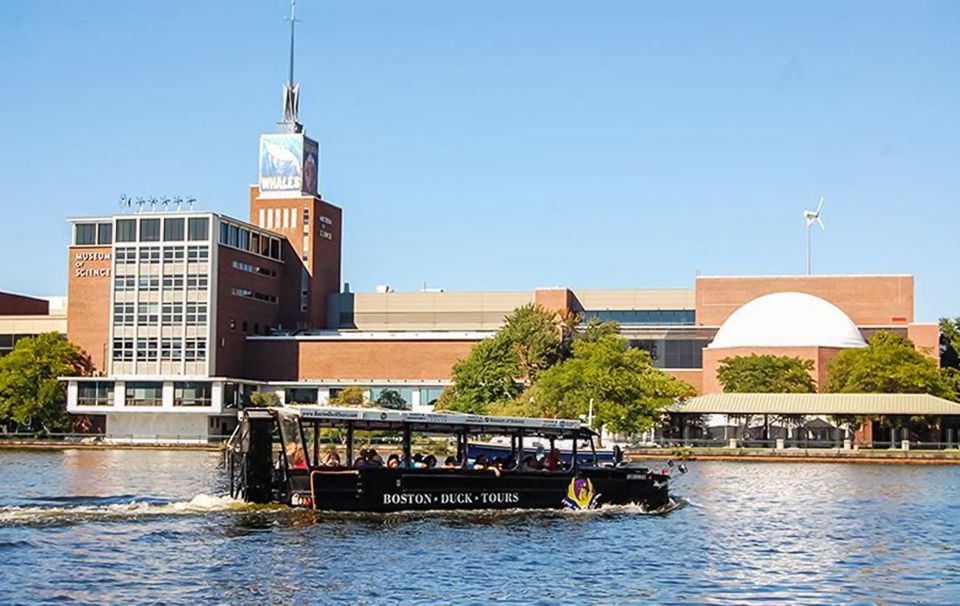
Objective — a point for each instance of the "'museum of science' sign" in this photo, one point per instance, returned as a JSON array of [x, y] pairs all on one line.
[[451, 498], [82, 262]]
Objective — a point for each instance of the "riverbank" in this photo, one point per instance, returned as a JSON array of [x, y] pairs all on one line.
[[62, 445], [799, 455]]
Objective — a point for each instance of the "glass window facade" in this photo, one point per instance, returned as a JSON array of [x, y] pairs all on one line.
[[300, 395], [126, 230], [144, 393], [198, 228], [654, 317], [173, 228], [192, 393], [104, 233], [85, 234], [673, 353], [149, 230], [95, 393]]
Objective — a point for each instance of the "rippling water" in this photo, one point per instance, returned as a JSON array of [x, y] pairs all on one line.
[[140, 527]]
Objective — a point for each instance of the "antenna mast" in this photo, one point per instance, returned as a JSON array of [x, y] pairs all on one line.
[[291, 91]]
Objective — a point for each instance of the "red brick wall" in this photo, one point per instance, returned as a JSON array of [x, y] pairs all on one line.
[[291, 359], [19, 305], [693, 376], [237, 317], [868, 300], [556, 299], [821, 357], [324, 255], [926, 338], [88, 293]]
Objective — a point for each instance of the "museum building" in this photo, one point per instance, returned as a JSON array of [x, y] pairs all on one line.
[[186, 313]]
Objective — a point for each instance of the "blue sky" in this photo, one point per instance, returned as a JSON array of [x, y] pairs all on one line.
[[507, 145]]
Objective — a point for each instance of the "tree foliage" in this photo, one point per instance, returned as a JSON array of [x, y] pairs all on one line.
[[265, 399], [391, 398], [889, 364], [766, 374], [535, 336], [950, 342], [349, 396], [487, 376], [628, 393], [30, 393]]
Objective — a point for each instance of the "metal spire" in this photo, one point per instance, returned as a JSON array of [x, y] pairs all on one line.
[[291, 91]]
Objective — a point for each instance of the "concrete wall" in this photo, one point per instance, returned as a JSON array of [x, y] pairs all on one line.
[[145, 427]]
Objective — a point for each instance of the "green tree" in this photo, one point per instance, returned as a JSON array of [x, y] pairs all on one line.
[[766, 374], [950, 342], [264, 399], [350, 396], [30, 393], [535, 335], [889, 364], [488, 375], [391, 398], [628, 393]]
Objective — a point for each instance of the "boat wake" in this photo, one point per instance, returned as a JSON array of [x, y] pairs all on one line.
[[60, 511]]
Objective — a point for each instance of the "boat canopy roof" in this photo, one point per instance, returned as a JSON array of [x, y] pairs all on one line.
[[428, 422]]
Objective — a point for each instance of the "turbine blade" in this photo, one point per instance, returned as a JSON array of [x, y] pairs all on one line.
[[822, 227], [820, 204]]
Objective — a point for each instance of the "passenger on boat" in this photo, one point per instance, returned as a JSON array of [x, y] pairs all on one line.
[[481, 462], [295, 456], [393, 461], [451, 463], [430, 461], [554, 462], [374, 458], [530, 464], [417, 462], [332, 459]]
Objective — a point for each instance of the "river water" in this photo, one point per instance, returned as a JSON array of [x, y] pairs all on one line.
[[148, 527]]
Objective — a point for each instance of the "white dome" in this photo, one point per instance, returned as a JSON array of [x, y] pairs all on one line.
[[788, 319]]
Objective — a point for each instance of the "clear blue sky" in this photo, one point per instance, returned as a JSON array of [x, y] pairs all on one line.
[[507, 145]]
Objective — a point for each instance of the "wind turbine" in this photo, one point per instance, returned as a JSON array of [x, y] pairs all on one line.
[[812, 216]]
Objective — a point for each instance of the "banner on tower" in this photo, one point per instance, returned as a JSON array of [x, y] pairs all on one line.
[[281, 162], [311, 166]]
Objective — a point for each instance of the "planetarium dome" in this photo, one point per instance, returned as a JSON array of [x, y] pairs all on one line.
[[788, 319]]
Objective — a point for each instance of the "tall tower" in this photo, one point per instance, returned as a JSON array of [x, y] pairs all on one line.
[[287, 200]]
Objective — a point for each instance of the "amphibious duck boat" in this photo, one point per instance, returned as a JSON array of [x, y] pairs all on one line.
[[275, 458]]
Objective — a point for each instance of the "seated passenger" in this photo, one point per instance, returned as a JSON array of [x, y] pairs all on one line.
[[530, 464], [481, 462], [393, 461], [295, 456], [451, 463], [374, 459], [332, 459], [417, 462], [554, 461], [430, 461]]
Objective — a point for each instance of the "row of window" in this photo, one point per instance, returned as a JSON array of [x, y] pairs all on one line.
[[152, 283], [128, 314], [9, 341], [386, 396], [90, 234], [657, 317], [254, 269], [252, 294], [144, 393], [174, 229], [251, 241], [151, 254], [150, 349], [674, 353]]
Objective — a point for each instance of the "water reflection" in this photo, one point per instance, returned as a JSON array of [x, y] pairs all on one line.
[[141, 526]]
